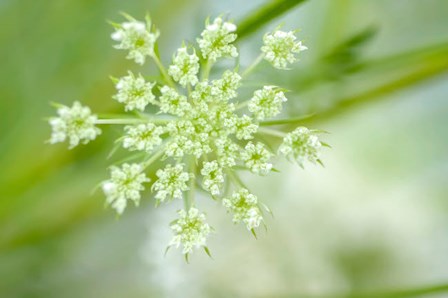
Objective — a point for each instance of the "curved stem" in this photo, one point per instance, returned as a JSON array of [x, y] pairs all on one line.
[[154, 158]]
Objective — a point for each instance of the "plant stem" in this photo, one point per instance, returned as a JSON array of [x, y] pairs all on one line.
[[236, 179], [251, 67], [285, 121], [206, 70], [120, 121], [189, 199], [272, 132], [162, 70], [153, 158]]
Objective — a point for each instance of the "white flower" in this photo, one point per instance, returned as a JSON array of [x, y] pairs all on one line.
[[171, 183], [217, 40], [225, 88], [267, 102], [256, 157], [125, 184], [134, 92], [227, 152], [185, 67], [243, 127], [213, 177], [76, 123], [281, 48], [142, 137], [202, 92], [172, 102], [244, 207], [190, 230], [301, 145], [137, 38]]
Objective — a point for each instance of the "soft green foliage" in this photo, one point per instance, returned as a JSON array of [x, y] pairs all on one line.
[[206, 130]]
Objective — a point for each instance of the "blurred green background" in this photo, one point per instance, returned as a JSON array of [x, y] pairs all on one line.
[[374, 219]]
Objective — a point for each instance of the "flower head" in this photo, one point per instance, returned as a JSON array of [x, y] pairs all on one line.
[[190, 230], [137, 38], [185, 67], [267, 102], [125, 184], [217, 40], [244, 207], [213, 177], [171, 183], [281, 47], [172, 102], [142, 137], [301, 145], [75, 123], [256, 158], [224, 89], [134, 92]]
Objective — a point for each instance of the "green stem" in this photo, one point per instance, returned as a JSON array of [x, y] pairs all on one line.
[[162, 70], [189, 199], [285, 121], [236, 179], [120, 121], [272, 132], [153, 158], [206, 70], [251, 67]]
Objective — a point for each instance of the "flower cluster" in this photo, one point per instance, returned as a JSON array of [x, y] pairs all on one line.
[[244, 207], [202, 132]]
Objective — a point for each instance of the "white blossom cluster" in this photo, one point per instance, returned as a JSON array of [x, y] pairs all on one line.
[[281, 47], [244, 207], [200, 129], [76, 123]]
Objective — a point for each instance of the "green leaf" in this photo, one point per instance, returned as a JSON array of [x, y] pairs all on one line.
[[253, 233], [264, 15], [207, 251]]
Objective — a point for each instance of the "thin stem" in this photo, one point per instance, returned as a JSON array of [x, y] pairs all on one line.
[[242, 105], [153, 158], [251, 67], [285, 121], [162, 70], [120, 121], [206, 70], [272, 132], [236, 179], [189, 199]]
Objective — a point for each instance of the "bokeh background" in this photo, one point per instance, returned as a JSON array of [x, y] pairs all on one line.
[[374, 220]]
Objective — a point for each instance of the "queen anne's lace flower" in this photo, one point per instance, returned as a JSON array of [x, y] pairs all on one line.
[[256, 158], [301, 145], [190, 230], [185, 67], [281, 48], [217, 40], [171, 183], [137, 38], [267, 102], [206, 124], [76, 123], [134, 92], [213, 177], [142, 137], [125, 184], [244, 207]]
